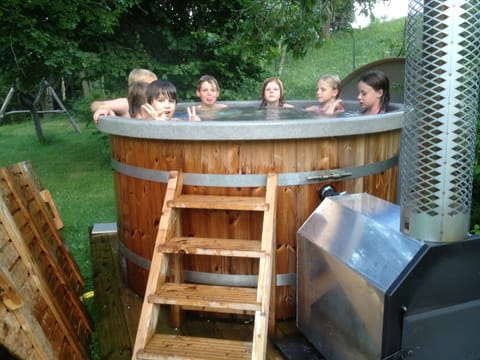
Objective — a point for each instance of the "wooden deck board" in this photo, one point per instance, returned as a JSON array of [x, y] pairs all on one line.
[[110, 319], [117, 310]]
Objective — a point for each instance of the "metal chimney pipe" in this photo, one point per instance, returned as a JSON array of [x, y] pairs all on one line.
[[438, 141]]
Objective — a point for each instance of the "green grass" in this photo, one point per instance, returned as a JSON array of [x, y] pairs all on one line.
[[75, 168]]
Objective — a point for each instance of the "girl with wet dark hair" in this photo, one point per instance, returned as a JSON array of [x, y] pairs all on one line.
[[373, 92]]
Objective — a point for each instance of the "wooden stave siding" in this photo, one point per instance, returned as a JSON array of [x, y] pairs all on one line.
[[137, 229]]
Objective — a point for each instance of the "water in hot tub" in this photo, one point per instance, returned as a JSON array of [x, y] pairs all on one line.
[[254, 112]]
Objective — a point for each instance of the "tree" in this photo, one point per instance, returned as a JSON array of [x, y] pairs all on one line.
[[46, 38], [233, 40], [180, 40], [280, 27]]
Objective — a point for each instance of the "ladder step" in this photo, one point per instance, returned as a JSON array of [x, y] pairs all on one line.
[[216, 202], [188, 347], [206, 297], [214, 246]]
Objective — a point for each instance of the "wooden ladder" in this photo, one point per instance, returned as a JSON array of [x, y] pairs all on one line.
[[161, 289]]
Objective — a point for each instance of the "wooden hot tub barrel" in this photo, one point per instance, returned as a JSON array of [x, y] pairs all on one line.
[[354, 154]]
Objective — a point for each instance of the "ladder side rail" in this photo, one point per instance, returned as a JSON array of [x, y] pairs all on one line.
[[265, 278], [158, 270], [177, 275]]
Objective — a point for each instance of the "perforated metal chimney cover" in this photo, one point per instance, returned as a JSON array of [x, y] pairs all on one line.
[[438, 140]]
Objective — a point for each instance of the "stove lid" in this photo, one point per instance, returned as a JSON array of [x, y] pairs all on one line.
[[362, 232]]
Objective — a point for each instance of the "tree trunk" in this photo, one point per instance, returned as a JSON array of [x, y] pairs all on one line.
[[326, 29], [281, 60], [85, 83]]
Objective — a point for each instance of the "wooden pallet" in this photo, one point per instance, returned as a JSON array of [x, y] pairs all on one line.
[[39, 275], [165, 289], [19, 332], [31, 203]]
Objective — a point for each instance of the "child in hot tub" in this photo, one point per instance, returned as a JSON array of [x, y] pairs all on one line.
[[120, 106], [273, 94], [373, 92], [137, 98], [328, 95], [162, 102], [208, 92]]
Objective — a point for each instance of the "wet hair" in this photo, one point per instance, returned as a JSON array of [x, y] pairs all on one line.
[[137, 96], [280, 85], [378, 81], [161, 88], [209, 79], [140, 75], [332, 80]]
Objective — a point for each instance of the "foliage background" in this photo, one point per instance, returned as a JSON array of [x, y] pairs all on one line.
[[92, 44]]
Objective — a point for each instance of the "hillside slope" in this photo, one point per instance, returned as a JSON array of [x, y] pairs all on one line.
[[341, 54]]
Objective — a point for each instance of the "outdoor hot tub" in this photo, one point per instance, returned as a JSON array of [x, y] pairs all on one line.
[[355, 153]]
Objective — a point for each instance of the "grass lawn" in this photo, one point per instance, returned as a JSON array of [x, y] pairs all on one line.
[[75, 168]]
